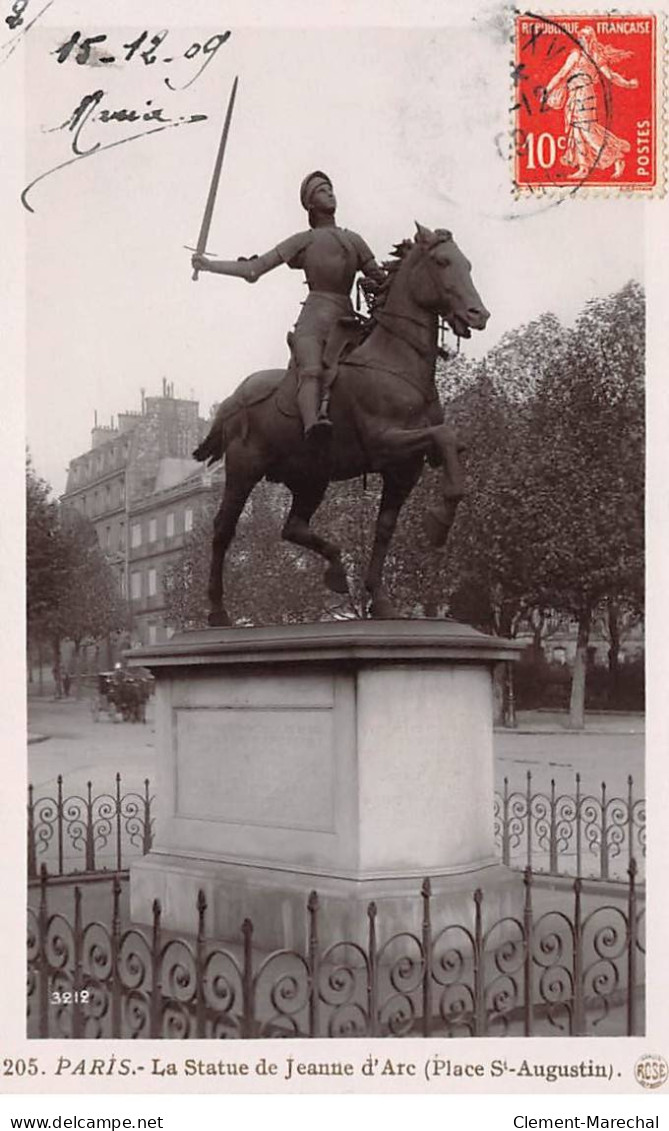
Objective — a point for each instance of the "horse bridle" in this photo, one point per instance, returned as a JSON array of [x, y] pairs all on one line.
[[383, 319]]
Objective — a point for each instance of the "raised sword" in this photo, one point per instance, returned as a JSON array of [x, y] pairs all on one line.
[[215, 178]]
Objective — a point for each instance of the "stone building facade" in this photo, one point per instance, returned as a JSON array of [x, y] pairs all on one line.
[[142, 491]]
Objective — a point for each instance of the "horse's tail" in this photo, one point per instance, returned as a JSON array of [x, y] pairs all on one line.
[[253, 390], [216, 441]]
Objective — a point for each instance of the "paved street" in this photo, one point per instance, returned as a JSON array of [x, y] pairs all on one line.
[[80, 749]]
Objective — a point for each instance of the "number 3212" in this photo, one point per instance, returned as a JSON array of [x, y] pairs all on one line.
[[69, 997]]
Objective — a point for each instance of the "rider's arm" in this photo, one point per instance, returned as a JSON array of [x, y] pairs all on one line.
[[366, 261], [288, 251], [373, 270], [249, 269]]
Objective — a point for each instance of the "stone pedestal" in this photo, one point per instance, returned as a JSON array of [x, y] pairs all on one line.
[[351, 758]]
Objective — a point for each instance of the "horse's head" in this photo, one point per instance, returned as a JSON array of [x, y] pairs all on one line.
[[441, 281]]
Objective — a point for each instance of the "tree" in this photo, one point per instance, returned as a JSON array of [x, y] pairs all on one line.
[[90, 606], [589, 419], [70, 588]]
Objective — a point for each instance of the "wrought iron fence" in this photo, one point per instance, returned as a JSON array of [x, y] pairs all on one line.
[[574, 969], [87, 832], [578, 833], [570, 834]]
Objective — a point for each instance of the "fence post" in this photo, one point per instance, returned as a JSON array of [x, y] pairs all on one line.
[[248, 989], [632, 943], [426, 893], [114, 981], [604, 847], [77, 980], [579, 846], [577, 1012], [630, 822], [528, 931], [147, 838], [528, 805], [372, 971], [118, 823], [59, 821], [44, 981], [200, 979], [32, 853], [90, 840], [552, 842], [155, 1019], [479, 968], [506, 840], [314, 970]]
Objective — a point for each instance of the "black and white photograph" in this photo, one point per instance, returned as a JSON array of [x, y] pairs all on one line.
[[335, 505]]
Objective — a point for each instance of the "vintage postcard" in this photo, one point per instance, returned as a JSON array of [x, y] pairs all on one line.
[[334, 550]]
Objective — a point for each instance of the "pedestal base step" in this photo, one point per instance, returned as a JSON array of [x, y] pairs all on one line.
[[276, 901]]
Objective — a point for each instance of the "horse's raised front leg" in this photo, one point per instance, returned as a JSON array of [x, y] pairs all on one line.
[[306, 500], [394, 494], [439, 519], [437, 442]]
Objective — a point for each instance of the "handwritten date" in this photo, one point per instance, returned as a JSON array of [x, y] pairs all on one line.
[[88, 50]]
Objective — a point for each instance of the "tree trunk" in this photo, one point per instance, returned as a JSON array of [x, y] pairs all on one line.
[[614, 651], [77, 669], [510, 719], [577, 699], [57, 668], [537, 634], [498, 694], [40, 674]]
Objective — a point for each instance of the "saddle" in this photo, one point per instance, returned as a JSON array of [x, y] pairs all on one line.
[[346, 333]]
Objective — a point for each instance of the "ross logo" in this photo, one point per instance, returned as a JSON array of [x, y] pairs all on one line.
[[651, 1071]]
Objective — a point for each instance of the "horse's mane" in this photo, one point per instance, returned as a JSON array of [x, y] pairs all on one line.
[[375, 294]]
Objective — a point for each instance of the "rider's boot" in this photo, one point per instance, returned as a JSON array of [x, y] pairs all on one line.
[[314, 419]]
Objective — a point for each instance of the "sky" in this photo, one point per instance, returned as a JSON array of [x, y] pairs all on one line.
[[411, 123]]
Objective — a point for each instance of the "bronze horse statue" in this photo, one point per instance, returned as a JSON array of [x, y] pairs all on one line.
[[385, 415]]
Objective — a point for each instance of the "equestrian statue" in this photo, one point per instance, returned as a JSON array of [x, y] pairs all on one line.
[[357, 396]]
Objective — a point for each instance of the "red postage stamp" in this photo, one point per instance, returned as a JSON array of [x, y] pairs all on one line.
[[586, 102]]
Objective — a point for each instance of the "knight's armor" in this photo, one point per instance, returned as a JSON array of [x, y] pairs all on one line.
[[330, 257]]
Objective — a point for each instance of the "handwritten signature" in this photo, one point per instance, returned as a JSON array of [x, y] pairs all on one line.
[[89, 111]]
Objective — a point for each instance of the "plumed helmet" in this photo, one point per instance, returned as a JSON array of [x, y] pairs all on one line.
[[309, 185]]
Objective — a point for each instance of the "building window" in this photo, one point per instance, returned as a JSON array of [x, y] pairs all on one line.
[[108, 540], [170, 525], [136, 585], [169, 632], [152, 582], [122, 580], [121, 492], [108, 495], [121, 536], [136, 534], [153, 633], [153, 529], [188, 519]]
